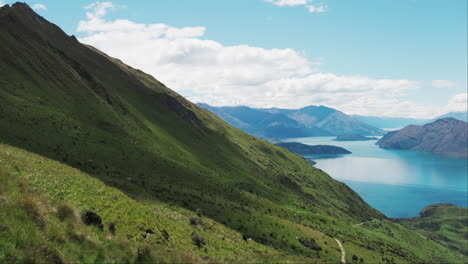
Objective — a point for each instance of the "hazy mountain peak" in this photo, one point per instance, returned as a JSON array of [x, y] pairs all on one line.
[[311, 121]]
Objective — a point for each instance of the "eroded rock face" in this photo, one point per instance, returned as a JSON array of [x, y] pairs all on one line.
[[446, 136]]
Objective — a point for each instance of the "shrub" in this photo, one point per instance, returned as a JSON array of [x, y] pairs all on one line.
[[144, 256], [165, 234], [199, 212], [194, 221], [198, 240], [112, 228], [310, 244], [91, 218]]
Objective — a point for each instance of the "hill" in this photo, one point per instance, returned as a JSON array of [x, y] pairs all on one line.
[[443, 223], [303, 149], [47, 200], [463, 116], [446, 136], [134, 158]]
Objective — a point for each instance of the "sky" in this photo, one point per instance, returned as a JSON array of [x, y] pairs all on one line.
[[400, 58]]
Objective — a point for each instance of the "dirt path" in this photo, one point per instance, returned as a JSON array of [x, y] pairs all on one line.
[[343, 252], [421, 235]]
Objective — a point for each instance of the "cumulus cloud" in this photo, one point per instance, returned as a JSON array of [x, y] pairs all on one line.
[[319, 8], [99, 9], [1, 3], [289, 2], [207, 71], [39, 7], [458, 103], [443, 83]]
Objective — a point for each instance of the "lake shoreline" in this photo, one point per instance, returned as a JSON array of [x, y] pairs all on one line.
[[388, 179]]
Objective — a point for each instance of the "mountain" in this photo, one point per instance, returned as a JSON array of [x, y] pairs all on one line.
[[399, 122], [463, 116], [304, 149], [264, 124], [354, 137], [329, 119], [102, 163], [446, 136], [287, 123], [389, 122]]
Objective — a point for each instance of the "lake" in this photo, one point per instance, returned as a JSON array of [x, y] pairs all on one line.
[[399, 183]]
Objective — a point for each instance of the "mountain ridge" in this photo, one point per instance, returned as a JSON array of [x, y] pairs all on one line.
[[446, 136], [304, 122], [400, 122]]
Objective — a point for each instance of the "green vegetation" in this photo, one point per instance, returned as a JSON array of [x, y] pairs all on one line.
[[446, 224], [42, 202], [161, 173]]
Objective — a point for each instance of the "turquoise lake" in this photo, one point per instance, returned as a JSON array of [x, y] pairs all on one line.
[[399, 183]]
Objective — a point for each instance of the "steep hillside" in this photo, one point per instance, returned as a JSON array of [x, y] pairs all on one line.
[[443, 223], [140, 151], [446, 136], [42, 202]]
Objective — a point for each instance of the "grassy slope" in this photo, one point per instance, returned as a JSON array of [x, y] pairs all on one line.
[[73, 104], [34, 189], [446, 224]]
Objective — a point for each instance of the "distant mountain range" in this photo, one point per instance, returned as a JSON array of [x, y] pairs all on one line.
[[447, 136], [463, 116], [397, 122], [283, 123]]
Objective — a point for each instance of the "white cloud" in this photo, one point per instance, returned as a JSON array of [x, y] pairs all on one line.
[[458, 103], [208, 71], [1, 3], [317, 8], [99, 9], [289, 2], [443, 83], [39, 7]]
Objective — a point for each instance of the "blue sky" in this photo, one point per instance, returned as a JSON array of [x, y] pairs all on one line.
[[414, 51]]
